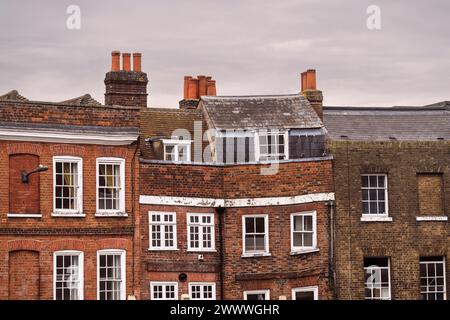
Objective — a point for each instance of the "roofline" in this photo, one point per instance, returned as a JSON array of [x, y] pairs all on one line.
[[394, 108], [56, 104], [252, 96]]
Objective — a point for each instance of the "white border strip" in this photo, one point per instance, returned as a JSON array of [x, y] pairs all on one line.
[[431, 218], [230, 203], [49, 136]]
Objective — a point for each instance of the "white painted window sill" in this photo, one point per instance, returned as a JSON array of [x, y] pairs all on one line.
[[256, 255], [304, 251], [432, 218], [200, 250], [111, 214], [24, 215], [375, 218], [163, 249], [68, 215]]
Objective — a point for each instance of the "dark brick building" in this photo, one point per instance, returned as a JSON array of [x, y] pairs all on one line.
[[392, 178]]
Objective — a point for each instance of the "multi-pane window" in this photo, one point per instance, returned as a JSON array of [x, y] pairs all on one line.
[[273, 145], [110, 185], [163, 230], [164, 290], [432, 278], [200, 231], [303, 226], [202, 291], [374, 194], [255, 234], [257, 295], [67, 185], [68, 275], [177, 150], [377, 279], [111, 274], [305, 293]]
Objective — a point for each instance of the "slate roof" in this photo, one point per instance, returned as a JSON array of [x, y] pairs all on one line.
[[425, 123], [254, 112], [13, 95]]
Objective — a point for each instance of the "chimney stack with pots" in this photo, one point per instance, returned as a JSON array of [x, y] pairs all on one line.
[[194, 88], [310, 92]]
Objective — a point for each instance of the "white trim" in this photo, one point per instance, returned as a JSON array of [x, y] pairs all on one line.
[[163, 283], [369, 217], [386, 192], [80, 255], [162, 223], [105, 212], [314, 289], [123, 264], [431, 218], [443, 262], [73, 138], [304, 249], [176, 144], [230, 203], [200, 229], [202, 293], [68, 215], [266, 293], [389, 279], [24, 215], [69, 212], [258, 133], [266, 251]]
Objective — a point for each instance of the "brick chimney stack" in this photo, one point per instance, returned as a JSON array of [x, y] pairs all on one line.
[[126, 87], [194, 88], [310, 92]]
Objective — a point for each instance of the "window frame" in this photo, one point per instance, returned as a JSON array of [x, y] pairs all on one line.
[[115, 161], [164, 284], [389, 280], [266, 252], [163, 237], [435, 261], [123, 257], [212, 225], [176, 143], [300, 249], [374, 216], [78, 212], [267, 132], [266, 293], [202, 290], [80, 255], [313, 289]]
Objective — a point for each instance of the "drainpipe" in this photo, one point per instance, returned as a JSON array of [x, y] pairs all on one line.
[[331, 262], [221, 212]]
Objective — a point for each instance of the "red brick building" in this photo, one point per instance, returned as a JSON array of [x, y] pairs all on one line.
[[68, 193]]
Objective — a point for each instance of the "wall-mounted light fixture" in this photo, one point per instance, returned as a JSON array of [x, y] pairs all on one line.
[[25, 174]]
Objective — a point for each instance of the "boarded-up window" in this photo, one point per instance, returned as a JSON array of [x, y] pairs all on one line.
[[23, 197], [306, 143], [430, 194]]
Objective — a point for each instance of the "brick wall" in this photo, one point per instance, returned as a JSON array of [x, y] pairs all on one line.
[[404, 239]]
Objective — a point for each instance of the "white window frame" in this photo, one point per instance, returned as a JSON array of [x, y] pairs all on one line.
[[202, 293], [443, 262], [162, 223], [285, 133], [121, 210], [301, 249], [266, 251], [123, 257], [241, 134], [176, 143], [389, 279], [78, 212], [80, 255], [164, 284], [266, 293], [377, 216], [313, 289], [200, 230]]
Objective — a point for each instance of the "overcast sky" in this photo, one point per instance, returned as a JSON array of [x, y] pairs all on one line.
[[248, 46]]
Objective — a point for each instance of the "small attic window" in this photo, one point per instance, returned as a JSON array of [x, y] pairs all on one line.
[[177, 150]]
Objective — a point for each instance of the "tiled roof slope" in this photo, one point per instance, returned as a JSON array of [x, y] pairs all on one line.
[[13, 95], [84, 100], [426, 123], [254, 112]]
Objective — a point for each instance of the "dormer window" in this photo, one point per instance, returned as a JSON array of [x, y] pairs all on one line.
[[272, 145], [177, 150]]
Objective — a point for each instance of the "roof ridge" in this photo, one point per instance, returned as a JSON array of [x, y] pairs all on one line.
[[13, 95], [252, 96]]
